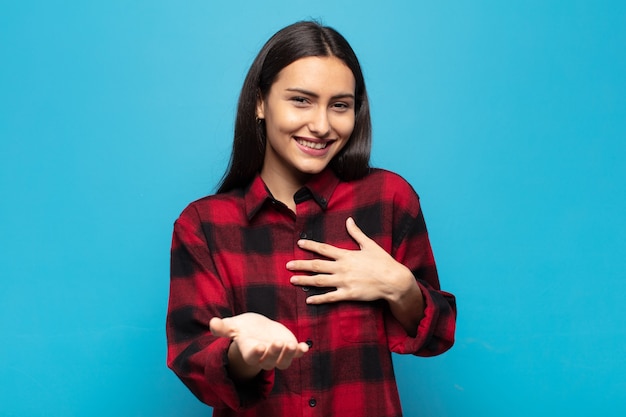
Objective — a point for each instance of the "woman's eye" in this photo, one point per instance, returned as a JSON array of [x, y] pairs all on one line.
[[299, 100], [341, 106]]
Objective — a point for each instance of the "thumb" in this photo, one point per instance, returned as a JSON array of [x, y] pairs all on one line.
[[219, 327], [356, 233]]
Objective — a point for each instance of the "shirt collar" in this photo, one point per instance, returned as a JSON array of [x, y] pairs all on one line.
[[321, 188]]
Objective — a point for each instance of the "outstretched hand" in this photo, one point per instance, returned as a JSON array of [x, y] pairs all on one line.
[[364, 275], [258, 343]]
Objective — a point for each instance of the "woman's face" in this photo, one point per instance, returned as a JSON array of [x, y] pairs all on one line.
[[309, 117]]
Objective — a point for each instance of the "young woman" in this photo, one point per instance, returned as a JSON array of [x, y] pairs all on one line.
[[293, 284]]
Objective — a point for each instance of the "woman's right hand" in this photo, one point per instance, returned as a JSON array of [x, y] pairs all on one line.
[[258, 343]]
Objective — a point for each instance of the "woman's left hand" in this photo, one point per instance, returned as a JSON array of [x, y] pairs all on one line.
[[367, 274]]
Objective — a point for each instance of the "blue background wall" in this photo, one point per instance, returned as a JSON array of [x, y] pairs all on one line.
[[507, 117]]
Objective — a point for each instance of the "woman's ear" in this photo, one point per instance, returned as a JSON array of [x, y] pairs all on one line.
[[260, 107]]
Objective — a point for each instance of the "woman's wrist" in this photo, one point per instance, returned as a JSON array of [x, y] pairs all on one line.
[[406, 302], [238, 368]]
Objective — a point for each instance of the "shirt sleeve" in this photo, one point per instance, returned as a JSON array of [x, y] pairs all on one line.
[[435, 333], [197, 294]]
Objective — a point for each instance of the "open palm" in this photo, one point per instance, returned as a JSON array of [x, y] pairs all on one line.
[[260, 341]]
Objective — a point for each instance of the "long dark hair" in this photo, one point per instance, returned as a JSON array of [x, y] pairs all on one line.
[[299, 40]]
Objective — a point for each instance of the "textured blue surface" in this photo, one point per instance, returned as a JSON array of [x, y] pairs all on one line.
[[509, 118]]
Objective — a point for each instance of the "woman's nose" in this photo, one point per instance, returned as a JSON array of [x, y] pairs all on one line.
[[319, 124]]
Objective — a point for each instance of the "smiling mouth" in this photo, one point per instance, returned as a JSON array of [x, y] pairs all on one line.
[[312, 145]]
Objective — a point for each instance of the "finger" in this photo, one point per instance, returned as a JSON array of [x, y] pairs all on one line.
[[301, 350], [290, 352], [313, 265], [324, 249], [320, 280], [356, 233], [329, 297], [271, 355], [286, 356]]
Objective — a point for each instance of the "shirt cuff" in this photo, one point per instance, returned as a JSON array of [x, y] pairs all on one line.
[[400, 341], [236, 396]]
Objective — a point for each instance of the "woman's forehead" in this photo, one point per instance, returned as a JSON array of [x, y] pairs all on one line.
[[317, 73]]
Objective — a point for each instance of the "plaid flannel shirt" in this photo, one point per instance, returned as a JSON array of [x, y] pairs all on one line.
[[228, 257]]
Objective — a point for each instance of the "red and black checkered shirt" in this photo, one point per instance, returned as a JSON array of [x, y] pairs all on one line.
[[228, 257]]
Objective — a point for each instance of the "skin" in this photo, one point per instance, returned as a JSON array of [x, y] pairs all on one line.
[[311, 105], [311, 100]]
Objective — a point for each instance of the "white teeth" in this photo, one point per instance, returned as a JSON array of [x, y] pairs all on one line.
[[312, 145]]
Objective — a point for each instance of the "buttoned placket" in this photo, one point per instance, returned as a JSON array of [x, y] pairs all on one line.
[[307, 209]]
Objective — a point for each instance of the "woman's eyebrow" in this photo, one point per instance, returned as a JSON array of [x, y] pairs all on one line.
[[312, 94]]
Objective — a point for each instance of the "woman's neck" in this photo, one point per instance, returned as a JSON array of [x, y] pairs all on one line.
[[283, 187]]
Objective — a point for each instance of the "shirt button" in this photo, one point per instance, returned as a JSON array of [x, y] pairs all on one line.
[[309, 343], [312, 402], [303, 235], [323, 201], [305, 289]]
